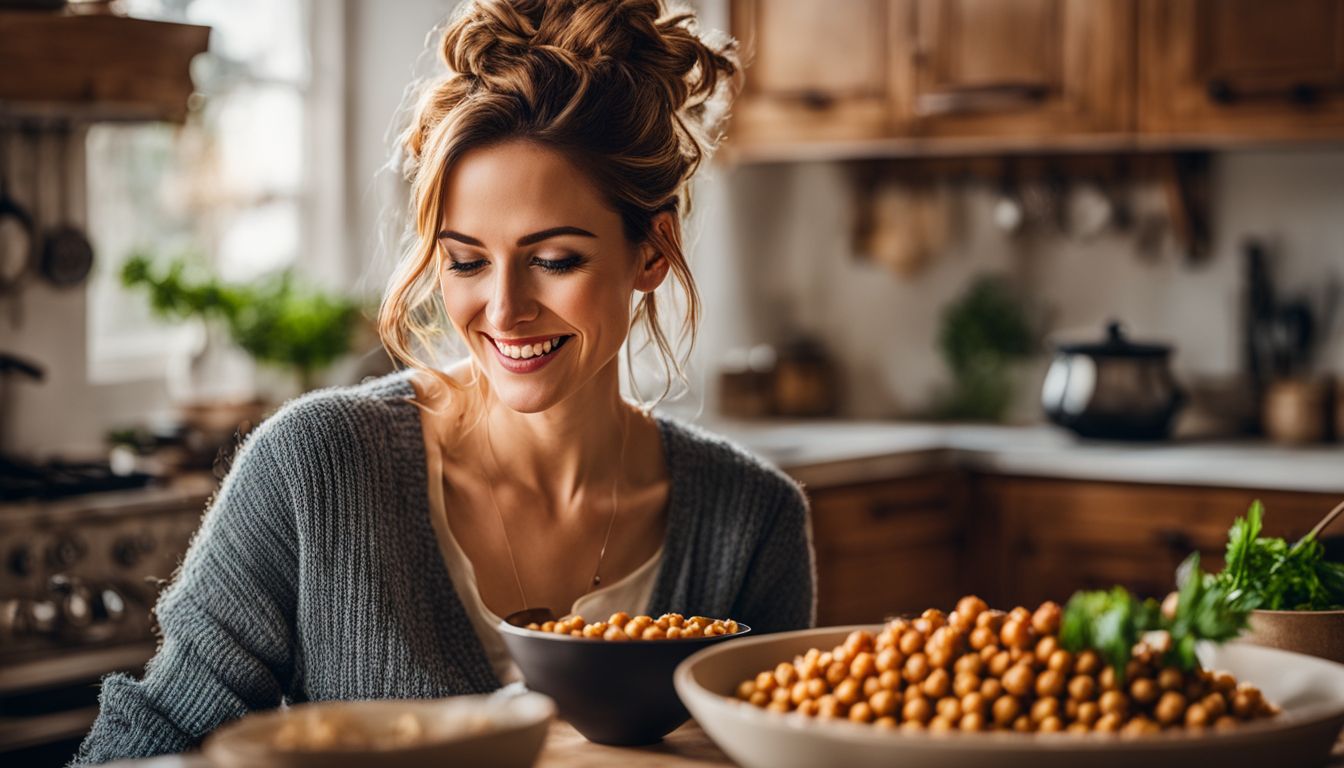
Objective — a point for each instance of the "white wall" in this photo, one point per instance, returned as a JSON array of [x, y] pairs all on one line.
[[784, 230]]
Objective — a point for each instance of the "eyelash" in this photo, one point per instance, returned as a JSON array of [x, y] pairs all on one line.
[[554, 266]]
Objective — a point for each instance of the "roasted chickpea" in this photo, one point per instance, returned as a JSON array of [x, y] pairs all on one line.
[[941, 724], [859, 640], [972, 721], [798, 693], [1019, 680], [1113, 703], [1144, 691], [760, 698], [1015, 634], [937, 684], [828, 708], [1082, 688], [861, 713], [1108, 723], [806, 707], [778, 705], [1087, 663], [1215, 704], [785, 674], [969, 663], [1107, 680], [765, 681], [745, 689], [836, 672], [991, 619], [912, 642], [964, 683], [1060, 661], [1088, 712], [999, 665], [916, 668], [886, 723], [1049, 683], [1170, 708], [1050, 724], [1006, 709], [888, 658], [863, 665], [816, 688], [913, 726], [1196, 716], [782, 694], [847, 692], [890, 680], [949, 709], [1043, 708], [1046, 618], [884, 703], [918, 710], [973, 702], [1045, 647], [1170, 679], [1023, 724], [991, 688], [1245, 703]]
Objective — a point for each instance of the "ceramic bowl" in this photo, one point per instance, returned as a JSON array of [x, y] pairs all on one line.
[[617, 693], [498, 729], [1315, 633], [1309, 690]]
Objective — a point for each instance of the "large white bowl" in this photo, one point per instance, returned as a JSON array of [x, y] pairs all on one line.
[[1309, 690], [500, 729]]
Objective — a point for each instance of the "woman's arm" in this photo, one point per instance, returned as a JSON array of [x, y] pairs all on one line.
[[226, 621], [780, 589]]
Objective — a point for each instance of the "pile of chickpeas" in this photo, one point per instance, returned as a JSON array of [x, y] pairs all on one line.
[[622, 626], [977, 669]]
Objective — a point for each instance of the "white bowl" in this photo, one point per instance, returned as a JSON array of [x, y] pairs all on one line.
[[501, 729], [1309, 690]]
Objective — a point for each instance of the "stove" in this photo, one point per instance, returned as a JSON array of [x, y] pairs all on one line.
[[57, 479], [78, 577]]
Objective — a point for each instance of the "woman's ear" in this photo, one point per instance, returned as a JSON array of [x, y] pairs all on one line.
[[653, 264]]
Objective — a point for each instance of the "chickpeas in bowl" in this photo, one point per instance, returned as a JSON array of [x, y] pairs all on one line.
[[621, 627], [978, 669]]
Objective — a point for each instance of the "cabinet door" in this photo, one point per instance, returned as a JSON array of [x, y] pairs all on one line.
[[1060, 536], [887, 548], [815, 70], [1018, 68], [1242, 68]]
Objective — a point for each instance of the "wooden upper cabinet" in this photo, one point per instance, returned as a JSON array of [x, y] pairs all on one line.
[[1242, 68], [815, 70], [1015, 68]]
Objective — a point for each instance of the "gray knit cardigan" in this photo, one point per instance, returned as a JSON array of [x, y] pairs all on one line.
[[316, 574]]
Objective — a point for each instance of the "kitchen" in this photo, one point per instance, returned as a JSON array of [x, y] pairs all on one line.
[[898, 185]]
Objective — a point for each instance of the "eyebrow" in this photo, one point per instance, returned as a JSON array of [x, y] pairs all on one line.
[[535, 237]]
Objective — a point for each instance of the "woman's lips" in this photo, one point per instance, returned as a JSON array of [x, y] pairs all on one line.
[[525, 365]]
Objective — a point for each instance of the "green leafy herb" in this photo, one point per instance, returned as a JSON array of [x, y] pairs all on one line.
[[1276, 576], [1113, 622]]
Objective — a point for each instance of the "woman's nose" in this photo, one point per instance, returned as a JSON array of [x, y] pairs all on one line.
[[511, 301]]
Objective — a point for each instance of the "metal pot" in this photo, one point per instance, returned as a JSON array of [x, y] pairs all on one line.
[[1113, 390]]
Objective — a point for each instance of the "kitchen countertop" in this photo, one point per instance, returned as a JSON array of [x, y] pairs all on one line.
[[821, 453]]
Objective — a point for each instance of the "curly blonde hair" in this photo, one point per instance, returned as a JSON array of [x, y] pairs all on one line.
[[628, 91]]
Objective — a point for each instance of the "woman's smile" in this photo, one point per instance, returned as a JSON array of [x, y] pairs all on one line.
[[529, 354]]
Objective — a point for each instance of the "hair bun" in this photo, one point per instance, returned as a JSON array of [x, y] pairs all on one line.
[[514, 46]]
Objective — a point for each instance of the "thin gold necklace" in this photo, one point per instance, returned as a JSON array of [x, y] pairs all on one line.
[[611, 521]]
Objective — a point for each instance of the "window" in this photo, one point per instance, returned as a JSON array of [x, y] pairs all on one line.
[[237, 187]]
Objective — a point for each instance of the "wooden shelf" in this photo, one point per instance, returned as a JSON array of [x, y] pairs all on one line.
[[56, 66]]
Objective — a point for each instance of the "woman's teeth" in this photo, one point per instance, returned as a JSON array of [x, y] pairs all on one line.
[[530, 350]]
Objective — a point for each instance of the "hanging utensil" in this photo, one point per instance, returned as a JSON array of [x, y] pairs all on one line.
[[16, 239], [66, 256]]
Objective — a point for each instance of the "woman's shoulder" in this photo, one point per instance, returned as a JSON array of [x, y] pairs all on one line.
[[351, 416], [713, 463]]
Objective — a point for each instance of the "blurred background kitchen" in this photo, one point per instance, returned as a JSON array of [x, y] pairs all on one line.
[[1032, 295]]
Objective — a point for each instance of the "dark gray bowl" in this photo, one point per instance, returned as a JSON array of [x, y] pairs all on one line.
[[617, 693]]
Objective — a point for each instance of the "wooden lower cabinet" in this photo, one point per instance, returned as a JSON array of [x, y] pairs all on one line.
[[888, 548], [903, 545]]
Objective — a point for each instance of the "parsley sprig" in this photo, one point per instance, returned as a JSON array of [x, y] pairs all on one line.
[[1278, 576]]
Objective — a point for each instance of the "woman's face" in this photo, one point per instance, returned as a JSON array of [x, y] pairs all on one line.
[[536, 272]]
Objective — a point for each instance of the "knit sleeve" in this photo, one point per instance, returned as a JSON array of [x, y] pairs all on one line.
[[779, 593], [226, 620]]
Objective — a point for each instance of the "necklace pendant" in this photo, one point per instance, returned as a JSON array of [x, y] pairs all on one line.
[[597, 580]]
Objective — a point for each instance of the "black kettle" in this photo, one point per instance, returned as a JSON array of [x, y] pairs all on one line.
[[1114, 389]]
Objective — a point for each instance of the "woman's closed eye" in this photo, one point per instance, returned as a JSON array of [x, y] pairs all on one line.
[[555, 266]]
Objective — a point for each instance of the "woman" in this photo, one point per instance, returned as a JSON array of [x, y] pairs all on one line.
[[369, 538]]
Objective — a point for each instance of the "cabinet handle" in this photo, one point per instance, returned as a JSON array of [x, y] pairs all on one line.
[[1301, 94], [996, 97], [817, 101], [1177, 542]]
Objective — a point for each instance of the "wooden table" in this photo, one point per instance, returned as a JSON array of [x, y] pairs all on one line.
[[684, 747]]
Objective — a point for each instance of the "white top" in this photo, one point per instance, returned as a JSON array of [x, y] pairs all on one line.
[[630, 594]]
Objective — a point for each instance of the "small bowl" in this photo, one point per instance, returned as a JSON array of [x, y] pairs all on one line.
[[1315, 633], [492, 729], [617, 693]]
